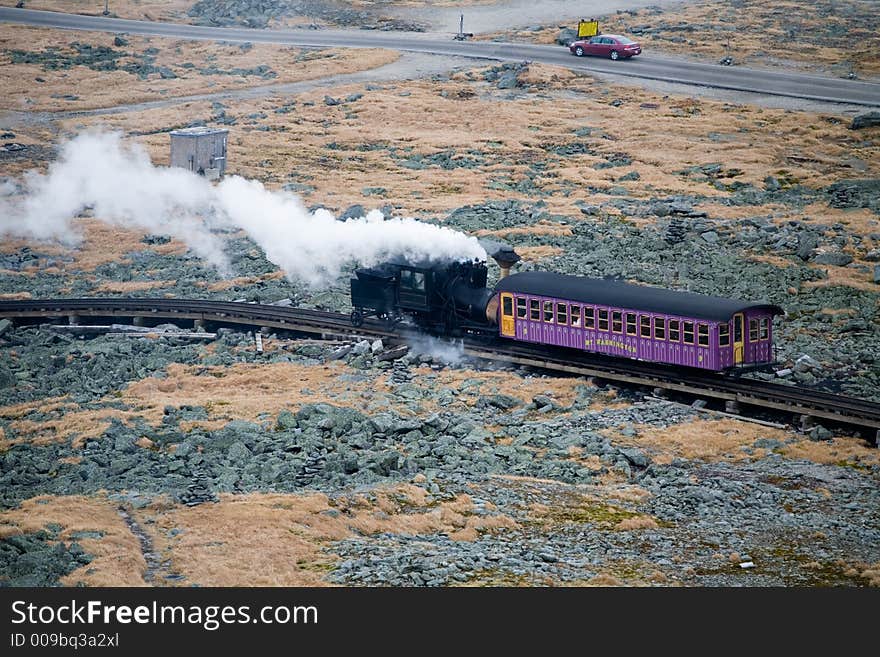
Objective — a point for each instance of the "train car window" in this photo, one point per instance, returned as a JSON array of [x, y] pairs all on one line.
[[630, 323], [575, 316], [659, 328], [590, 318], [645, 326], [674, 330], [753, 330], [562, 314], [703, 335], [724, 335], [507, 307], [521, 311], [406, 278], [765, 328], [603, 320], [688, 332], [548, 311], [418, 281], [535, 310], [617, 322]]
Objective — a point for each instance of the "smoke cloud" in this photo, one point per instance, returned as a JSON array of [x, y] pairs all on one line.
[[122, 187]]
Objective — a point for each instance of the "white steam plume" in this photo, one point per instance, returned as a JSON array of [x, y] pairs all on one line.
[[124, 188]]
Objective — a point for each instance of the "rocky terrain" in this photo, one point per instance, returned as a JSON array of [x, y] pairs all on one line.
[[162, 457]]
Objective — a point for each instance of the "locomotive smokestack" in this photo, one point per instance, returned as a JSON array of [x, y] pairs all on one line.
[[501, 253]]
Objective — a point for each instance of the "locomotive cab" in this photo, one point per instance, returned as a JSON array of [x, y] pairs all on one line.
[[447, 296]]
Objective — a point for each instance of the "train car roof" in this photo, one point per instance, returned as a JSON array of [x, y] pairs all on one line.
[[619, 294]]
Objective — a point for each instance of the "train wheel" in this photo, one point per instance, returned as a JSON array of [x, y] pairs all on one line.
[[357, 318]]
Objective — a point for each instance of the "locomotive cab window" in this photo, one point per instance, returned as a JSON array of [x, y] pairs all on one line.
[[703, 335], [724, 335], [535, 310], [562, 314], [617, 322], [548, 311], [575, 316], [603, 320], [645, 326], [753, 330], [765, 328], [630, 323], [688, 332], [590, 318], [674, 330], [412, 280], [507, 306], [659, 328], [521, 311]]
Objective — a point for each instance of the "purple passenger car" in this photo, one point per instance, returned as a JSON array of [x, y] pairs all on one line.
[[636, 321]]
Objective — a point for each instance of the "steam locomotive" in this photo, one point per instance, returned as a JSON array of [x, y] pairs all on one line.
[[610, 317]]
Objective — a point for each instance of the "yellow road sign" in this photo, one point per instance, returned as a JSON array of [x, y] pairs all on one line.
[[587, 28]]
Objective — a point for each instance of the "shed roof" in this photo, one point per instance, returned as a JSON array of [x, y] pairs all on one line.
[[619, 294]]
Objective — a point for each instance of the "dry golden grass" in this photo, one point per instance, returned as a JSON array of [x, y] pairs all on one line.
[[71, 424], [547, 228], [845, 276], [284, 535], [746, 26], [776, 261], [604, 579], [103, 88], [46, 405], [16, 295], [723, 439], [253, 392], [636, 522], [101, 243], [151, 10], [125, 287], [662, 141], [117, 555], [244, 390], [871, 574], [800, 32], [243, 281], [704, 439], [535, 253], [842, 450]]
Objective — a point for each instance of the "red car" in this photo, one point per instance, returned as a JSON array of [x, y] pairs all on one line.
[[606, 45]]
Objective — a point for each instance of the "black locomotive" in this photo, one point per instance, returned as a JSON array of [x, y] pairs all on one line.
[[441, 297], [448, 298]]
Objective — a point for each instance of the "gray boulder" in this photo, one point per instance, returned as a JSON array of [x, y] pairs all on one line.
[[807, 242], [834, 258], [866, 120], [566, 36]]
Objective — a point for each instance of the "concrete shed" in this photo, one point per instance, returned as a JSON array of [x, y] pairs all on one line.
[[200, 149]]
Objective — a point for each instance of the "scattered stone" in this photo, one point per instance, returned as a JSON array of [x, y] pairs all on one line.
[[866, 120], [834, 258]]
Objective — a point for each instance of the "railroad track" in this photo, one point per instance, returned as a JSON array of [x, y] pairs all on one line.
[[804, 403]]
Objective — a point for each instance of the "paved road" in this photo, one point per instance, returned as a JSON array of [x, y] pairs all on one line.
[[649, 66]]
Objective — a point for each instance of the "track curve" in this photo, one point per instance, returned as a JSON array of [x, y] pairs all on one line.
[[327, 325]]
